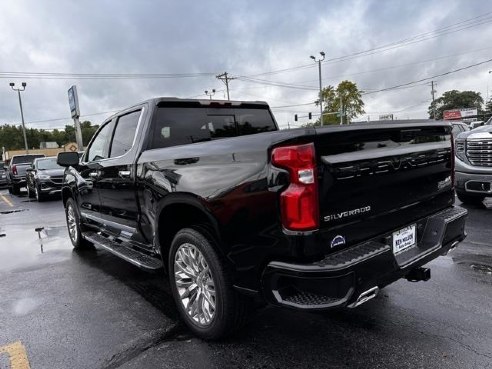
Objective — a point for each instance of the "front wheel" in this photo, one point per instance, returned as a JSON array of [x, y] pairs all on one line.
[[30, 193], [74, 227], [39, 196], [201, 284]]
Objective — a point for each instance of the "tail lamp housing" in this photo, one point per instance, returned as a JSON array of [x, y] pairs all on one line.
[[299, 206], [14, 170]]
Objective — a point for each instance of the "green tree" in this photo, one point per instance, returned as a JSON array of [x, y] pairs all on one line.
[[11, 136], [345, 98], [88, 131], [455, 99]]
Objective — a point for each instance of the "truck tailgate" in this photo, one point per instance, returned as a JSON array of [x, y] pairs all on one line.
[[376, 178]]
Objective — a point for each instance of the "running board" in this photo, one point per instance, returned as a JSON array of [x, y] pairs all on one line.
[[124, 251]]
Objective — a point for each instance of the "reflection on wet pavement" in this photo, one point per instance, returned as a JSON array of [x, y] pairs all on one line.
[[22, 248]]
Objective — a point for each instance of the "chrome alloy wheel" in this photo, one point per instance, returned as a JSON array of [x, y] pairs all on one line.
[[195, 284], [72, 224]]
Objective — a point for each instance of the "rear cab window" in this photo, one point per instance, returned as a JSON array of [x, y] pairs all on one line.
[[172, 126], [25, 159]]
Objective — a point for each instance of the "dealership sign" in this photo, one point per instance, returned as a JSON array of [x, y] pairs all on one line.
[[73, 101], [386, 117], [459, 113]]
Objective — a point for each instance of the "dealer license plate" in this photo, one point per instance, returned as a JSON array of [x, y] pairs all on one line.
[[404, 239]]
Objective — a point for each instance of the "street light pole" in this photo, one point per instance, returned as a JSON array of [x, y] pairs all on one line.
[[24, 84], [322, 53], [210, 93]]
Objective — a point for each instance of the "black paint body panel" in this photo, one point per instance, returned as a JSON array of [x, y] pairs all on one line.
[[401, 171]]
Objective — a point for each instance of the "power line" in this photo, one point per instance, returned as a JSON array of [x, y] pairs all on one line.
[[291, 106], [409, 42], [268, 83], [404, 42], [402, 85], [56, 75], [276, 84], [429, 78]]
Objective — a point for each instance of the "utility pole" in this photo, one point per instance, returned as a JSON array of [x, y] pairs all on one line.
[[341, 110], [224, 77], [210, 93], [433, 91], [24, 84], [322, 53]]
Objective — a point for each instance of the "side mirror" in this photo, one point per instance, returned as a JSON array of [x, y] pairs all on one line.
[[67, 159]]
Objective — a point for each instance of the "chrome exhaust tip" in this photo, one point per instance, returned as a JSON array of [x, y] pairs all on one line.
[[364, 297]]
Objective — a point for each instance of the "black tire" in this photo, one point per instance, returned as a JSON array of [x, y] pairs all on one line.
[[40, 197], [10, 190], [78, 241], [30, 193], [231, 308], [15, 190], [470, 199]]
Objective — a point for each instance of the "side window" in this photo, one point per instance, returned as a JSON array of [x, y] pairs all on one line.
[[99, 148], [124, 133]]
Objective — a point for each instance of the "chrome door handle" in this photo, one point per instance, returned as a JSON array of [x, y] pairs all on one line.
[[124, 173]]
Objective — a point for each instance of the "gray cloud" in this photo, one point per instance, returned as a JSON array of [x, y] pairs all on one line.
[[243, 38]]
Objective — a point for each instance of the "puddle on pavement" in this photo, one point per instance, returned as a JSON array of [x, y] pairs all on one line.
[[486, 269], [22, 246]]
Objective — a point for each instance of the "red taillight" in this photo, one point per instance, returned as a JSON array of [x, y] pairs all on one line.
[[299, 202], [14, 170]]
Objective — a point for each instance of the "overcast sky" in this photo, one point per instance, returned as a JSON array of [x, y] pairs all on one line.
[[244, 38]]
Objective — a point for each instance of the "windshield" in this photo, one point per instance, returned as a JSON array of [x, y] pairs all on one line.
[[28, 159], [44, 164]]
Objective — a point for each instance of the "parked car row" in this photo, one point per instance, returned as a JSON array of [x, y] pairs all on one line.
[[473, 166], [16, 171], [44, 179], [41, 175], [3, 174]]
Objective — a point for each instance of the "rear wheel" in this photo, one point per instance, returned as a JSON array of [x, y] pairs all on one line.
[[202, 285], [74, 227], [466, 198], [15, 189]]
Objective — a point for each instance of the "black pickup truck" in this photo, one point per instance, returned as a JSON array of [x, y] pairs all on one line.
[[236, 211]]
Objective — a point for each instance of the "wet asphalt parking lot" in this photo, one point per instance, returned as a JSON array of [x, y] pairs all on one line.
[[64, 309]]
